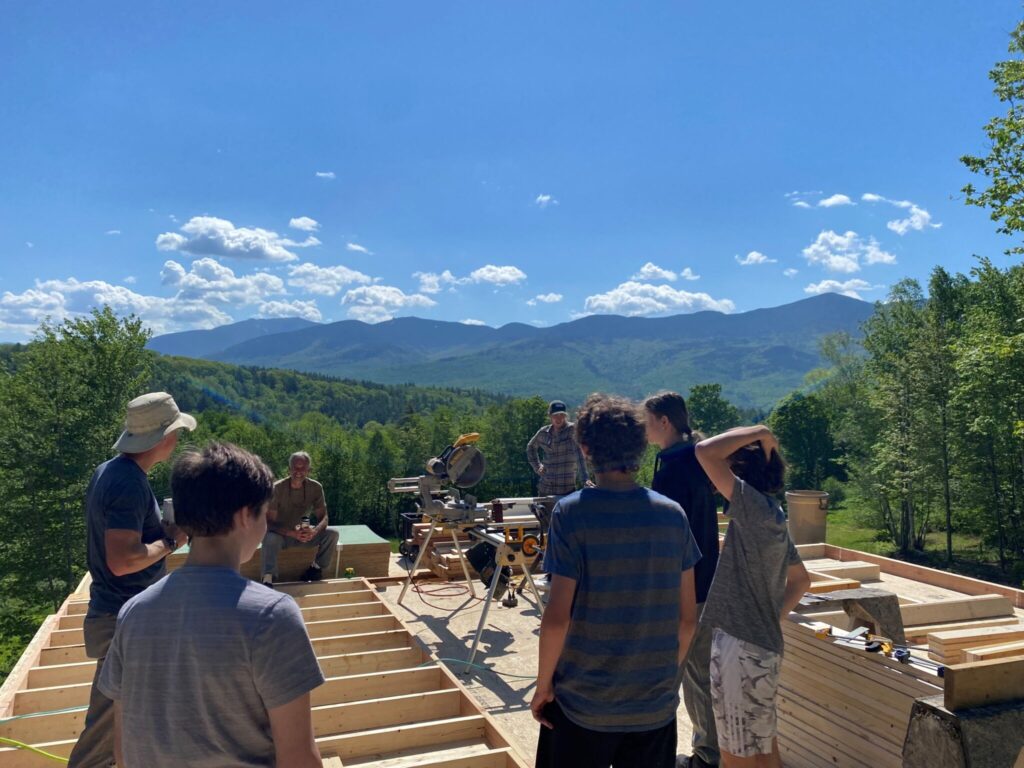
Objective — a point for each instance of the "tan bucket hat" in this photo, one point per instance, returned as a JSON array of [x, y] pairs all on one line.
[[150, 418]]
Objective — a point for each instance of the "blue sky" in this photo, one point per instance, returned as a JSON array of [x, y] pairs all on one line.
[[199, 163]]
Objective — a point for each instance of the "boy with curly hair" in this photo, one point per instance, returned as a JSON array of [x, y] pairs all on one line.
[[621, 611]]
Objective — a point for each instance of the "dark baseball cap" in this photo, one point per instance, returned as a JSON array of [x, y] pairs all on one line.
[[556, 406]]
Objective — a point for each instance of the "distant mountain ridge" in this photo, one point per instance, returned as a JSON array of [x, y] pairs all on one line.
[[758, 356]]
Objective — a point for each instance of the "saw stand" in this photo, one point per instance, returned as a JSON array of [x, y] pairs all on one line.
[[507, 554], [452, 526]]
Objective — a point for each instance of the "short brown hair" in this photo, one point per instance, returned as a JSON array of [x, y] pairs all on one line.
[[210, 486], [766, 475], [611, 428]]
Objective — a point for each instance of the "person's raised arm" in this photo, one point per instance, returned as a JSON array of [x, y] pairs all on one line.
[[797, 583], [291, 728], [687, 613], [554, 628], [713, 453]]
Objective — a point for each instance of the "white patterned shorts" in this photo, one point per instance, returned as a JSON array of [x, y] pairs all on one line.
[[744, 680]]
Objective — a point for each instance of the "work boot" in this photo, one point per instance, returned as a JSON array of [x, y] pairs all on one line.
[[692, 761], [312, 574]]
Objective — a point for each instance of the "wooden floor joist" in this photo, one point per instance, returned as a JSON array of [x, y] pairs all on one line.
[[385, 698]]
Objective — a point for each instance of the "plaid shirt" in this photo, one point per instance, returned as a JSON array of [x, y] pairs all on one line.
[[562, 460]]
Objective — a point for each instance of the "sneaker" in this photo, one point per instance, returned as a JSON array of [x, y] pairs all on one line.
[[312, 574], [268, 580]]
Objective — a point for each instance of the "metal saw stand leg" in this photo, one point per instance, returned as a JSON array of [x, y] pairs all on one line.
[[499, 556], [462, 562], [415, 565]]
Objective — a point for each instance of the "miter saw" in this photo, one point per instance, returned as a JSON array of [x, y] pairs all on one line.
[[459, 466]]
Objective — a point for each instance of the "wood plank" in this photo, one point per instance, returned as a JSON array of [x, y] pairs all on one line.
[[371, 661], [65, 654], [62, 674], [948, 647], [357, 626], [854, 569], [1007, 650], [832, 585], [932, 576], [491, 758], [811, 551], [382, 741], [351, 611], [956, 609], [335, 598], [57, 697], [305, 589], [77, 608], [373, 641], [983, 682], [920, 634], [40, 728], [66, 637], [20, 758], [376, 685], [72, 621], [385, 712], [409, 758], [18, 678]]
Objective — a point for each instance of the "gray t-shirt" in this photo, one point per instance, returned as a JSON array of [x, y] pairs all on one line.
[[197, 660], [746, 595]]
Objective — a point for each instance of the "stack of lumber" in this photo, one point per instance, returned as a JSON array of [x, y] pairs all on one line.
[[386, 699], [841, 706], [951, 647]]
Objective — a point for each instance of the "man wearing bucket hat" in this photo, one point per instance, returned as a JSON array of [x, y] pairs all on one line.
[[562, 459], [127, 544]]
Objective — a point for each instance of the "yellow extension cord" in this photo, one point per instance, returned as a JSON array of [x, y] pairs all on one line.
[[22, 745]]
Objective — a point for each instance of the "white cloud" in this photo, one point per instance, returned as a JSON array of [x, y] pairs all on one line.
[[377, 303], [324, 281], [918, 220], [431, 282], [211, 236], [651, 272], [753, 258], [790, 271], [543, 201], [471, 321], [61, 299], [113, 232], [358, 248], [802, 204], [325, 174], [305, 224], [844, 253], [29, 244], [545, 298], [210, 281], [500, 276], [834, 200], [131, 280], [307, 310], [634, 299], [689, 274], [849, 288]]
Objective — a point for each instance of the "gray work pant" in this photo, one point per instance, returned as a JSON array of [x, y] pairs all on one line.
[[697, 694], [326, 542], [95, 746]]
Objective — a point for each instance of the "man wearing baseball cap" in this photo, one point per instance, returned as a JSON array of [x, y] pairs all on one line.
[[127, 544], [562, 459]]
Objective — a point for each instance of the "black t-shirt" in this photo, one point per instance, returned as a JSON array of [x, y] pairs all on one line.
[[678, 475], [119, 497]]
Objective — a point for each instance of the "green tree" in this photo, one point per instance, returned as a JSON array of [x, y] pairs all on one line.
[[709, 411], [801, 423], [1003, 166]]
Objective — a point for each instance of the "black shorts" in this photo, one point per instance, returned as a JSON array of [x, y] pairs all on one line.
[[571, 746]]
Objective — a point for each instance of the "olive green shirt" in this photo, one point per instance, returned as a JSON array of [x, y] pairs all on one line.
[[289, 505]]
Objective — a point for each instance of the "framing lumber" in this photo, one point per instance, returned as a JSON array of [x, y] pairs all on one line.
[[1006, 651], [948, 647], [983, 682]]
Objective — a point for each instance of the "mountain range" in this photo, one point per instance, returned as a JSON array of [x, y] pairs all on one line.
[[757, 356]]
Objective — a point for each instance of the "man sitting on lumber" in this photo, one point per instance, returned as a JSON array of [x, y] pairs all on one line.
[[208, 668], [622, 609], [759, 580], [298, 518]]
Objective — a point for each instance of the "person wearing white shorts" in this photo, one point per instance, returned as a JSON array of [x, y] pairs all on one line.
[[758, 581]]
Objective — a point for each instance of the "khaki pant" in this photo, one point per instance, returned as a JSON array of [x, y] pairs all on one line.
[[95, 747], [697, 694]]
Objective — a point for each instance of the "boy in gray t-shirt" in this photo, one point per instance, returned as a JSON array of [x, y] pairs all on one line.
[[759, 580], [207, 668]]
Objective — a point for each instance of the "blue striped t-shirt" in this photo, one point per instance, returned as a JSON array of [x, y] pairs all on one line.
[[625, 550]]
